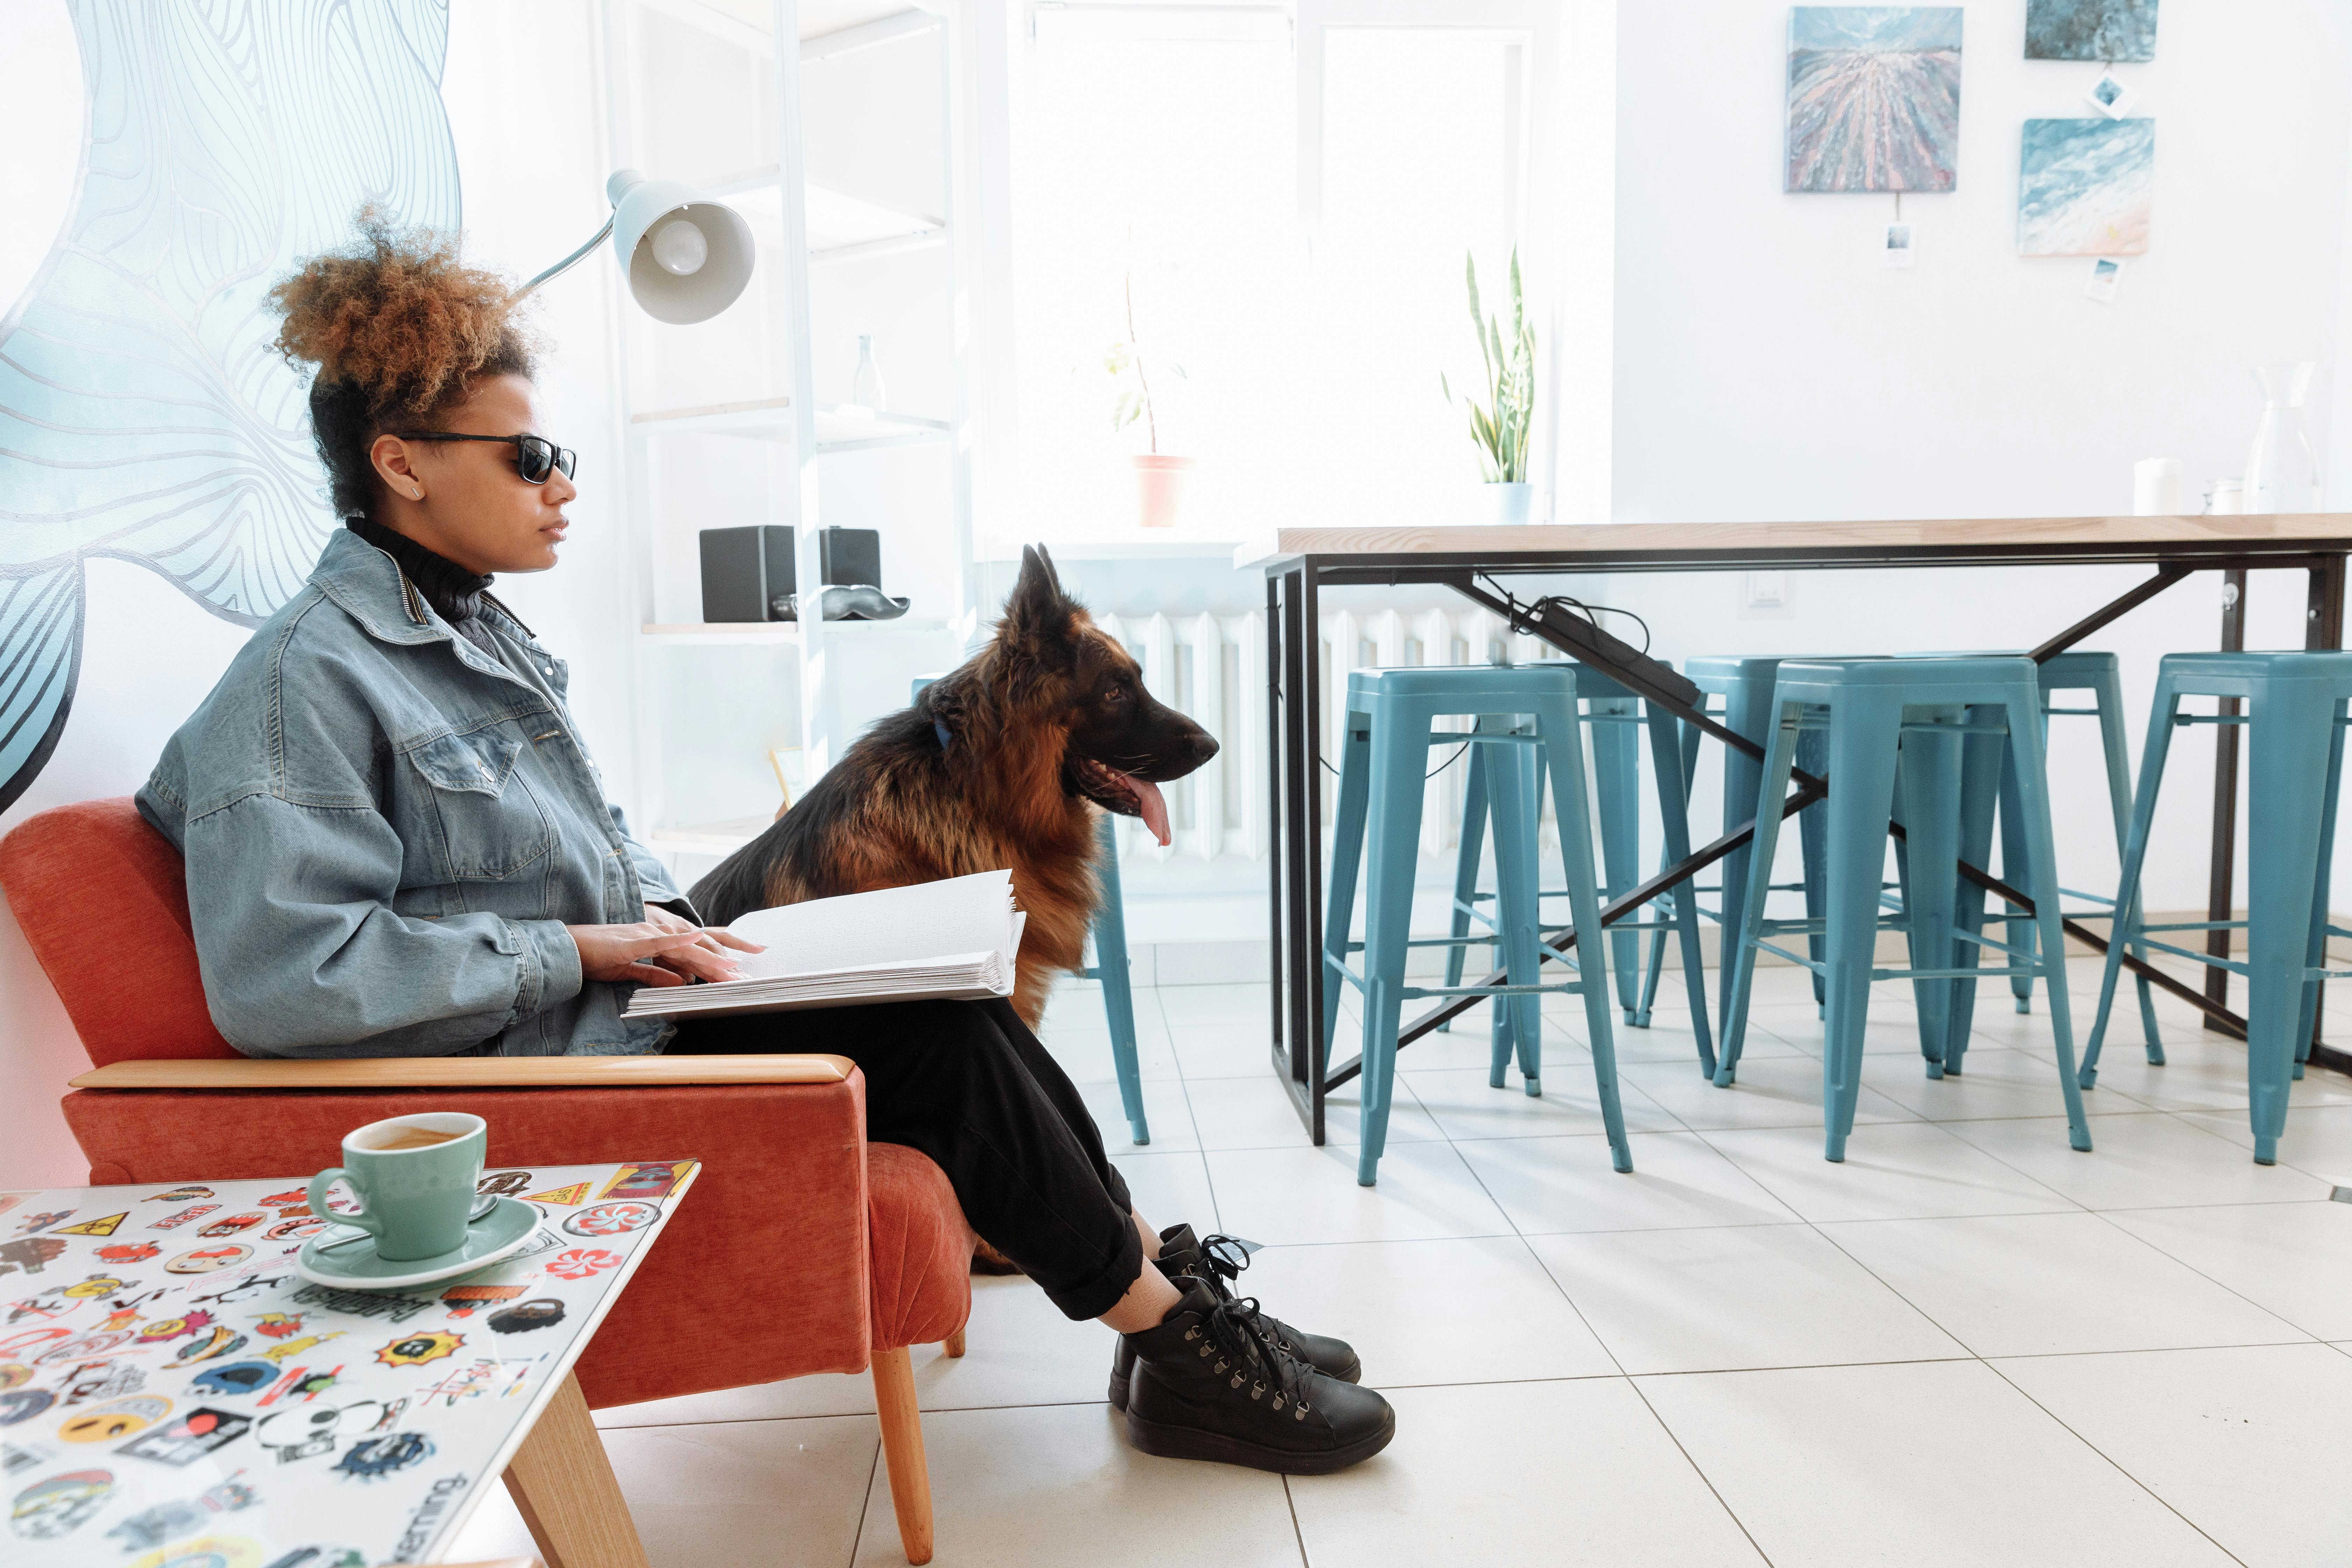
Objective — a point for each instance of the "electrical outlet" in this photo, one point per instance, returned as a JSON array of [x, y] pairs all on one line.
[[1765, 596]]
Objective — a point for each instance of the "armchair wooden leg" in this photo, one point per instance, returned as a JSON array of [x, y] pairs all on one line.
[[954, 1343], [902, 1446], [564, 1485]]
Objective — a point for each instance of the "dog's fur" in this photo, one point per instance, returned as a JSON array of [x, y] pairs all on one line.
[[1033, 722]]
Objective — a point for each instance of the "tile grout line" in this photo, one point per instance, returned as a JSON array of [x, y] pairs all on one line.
[[866, 1502], [1297, 1533], [1184, 1087]]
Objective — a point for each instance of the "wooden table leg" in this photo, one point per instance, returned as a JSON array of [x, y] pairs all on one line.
[[563, 1485]]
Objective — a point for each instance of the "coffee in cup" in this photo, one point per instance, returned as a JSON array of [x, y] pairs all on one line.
[[414, 1177]]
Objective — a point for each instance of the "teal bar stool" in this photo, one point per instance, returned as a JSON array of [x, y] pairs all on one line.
[[2296, 708], [1109, 931], [1383, 774], [1873, 713], [1611, 715], [2100, 675]]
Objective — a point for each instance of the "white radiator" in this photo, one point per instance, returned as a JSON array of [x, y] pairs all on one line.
[[1213, 669]]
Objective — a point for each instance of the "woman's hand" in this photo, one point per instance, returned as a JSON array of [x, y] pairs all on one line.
[[663, 950]]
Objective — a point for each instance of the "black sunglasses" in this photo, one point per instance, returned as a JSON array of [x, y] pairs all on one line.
[[535, 456]]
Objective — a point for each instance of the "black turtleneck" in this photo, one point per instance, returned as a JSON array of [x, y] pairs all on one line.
[[455, 593]]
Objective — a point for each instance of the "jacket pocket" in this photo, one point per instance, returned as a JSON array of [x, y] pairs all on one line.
[[489, 824]]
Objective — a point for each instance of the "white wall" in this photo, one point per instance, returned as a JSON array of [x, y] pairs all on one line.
[[529, 147], [1768, 368]]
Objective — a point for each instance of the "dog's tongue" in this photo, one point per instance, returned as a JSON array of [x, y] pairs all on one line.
[[1147, 803]]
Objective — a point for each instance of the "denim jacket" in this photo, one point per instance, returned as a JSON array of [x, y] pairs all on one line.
[[386, 832]]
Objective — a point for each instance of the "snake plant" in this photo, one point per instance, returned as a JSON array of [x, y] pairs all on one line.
[[1499, 428]]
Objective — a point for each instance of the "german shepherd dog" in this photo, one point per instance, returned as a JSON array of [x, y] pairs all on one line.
[[999, 765]]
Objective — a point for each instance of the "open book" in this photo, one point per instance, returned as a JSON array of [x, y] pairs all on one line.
[[954, 939]]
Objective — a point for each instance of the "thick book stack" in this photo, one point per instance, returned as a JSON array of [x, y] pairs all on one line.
[[954, 939]]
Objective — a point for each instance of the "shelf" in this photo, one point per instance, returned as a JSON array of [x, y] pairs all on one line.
[[712, 837], [736, 634], [839, 225], [1157, 545], [770, 419]]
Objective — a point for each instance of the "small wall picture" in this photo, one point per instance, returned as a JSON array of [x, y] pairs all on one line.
[[2110, 97], [2083, 187], [1874, 98], [1895, 249], [2105, 31], [2106, 273]]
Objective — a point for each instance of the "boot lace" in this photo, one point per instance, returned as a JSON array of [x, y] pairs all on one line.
[[1222, 1259], [1253, 1354]]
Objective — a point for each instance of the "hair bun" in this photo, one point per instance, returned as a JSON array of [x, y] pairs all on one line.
[[398, 317]]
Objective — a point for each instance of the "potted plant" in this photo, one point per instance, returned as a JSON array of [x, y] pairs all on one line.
[[1499, 428], [1159, 479]]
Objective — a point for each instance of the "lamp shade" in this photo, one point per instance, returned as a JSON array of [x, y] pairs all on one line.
[[687, 257]]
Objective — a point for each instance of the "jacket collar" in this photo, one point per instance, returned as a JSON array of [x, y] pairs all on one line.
[[369, 586]]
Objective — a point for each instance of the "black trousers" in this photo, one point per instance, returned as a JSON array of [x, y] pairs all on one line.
[[969, 1085]]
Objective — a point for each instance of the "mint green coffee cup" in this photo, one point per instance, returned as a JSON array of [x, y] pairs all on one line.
[[414, 1177]]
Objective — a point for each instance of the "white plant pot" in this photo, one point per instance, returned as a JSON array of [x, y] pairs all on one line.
[[1504, 505]]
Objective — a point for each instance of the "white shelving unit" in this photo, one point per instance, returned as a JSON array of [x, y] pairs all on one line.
[[712, 93]]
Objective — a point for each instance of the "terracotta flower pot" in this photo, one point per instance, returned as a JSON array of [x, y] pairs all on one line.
[[1159, 483]]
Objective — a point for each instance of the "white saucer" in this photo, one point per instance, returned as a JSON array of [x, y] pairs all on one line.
[[353, 1265]]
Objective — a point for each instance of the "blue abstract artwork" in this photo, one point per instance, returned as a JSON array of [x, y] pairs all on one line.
[[2083, 187], [2090, 30], [1874, 98], [144, 415]]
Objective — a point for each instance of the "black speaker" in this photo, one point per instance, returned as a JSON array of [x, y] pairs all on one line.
[[747, 572], [850, 557]]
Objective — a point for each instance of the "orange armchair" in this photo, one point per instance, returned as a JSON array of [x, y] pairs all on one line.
[[864, 1243]]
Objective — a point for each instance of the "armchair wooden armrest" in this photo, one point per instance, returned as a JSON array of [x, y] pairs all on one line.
[[466, 1072]]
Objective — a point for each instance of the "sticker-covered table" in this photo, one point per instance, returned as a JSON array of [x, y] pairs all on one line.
[[172, 1392]]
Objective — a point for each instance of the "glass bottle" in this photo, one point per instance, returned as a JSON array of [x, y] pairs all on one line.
[[2282, 467], [867, 394]]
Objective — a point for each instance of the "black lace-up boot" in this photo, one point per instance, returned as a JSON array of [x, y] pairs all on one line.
[[1212, 1382], [1216, 1262]]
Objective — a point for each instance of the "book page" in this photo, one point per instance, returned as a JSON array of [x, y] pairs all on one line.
[[888, 926]]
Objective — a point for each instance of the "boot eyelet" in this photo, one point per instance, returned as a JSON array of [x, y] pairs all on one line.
[[1238, 1381], [1257, 1390]]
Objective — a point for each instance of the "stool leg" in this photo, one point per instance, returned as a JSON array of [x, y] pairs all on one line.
[[1812, 839], [1746, 710], [2294, 727], [1929, 780], [1119, 996], [1556, 722], [1740, 926], [1865, 733], [2032, 774], [2316, 955], [1983, 759], [2013, 855], [1617, 782], [2126, 921], [1466, 865], [1673, 814], [1347, 858], [1398, 763], [1518, 871], [2108, 694]]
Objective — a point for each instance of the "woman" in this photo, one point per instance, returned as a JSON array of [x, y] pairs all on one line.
[[397, 844]]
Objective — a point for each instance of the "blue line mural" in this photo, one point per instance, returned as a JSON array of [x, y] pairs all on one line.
[[144, 415]]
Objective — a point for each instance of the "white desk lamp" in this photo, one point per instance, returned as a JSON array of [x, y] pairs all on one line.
[[687, 257]]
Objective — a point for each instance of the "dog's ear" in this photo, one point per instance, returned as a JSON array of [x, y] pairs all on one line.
[[1037, 607]]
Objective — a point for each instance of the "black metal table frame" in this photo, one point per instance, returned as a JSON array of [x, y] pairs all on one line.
[[1292, 589]]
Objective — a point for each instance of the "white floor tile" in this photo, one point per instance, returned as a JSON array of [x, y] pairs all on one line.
[[1170, 1188], [762, 1494], [2055, 1284], [2198, 1074], [2149, 1161], [1085, 1052], [1896, 1170], [1991, 1083], [1840, 1466], [2318, 1139], [2248, 1444], [1670, 1040], [1060, 1487], [1465, 1104], [1892, 1029], [1186, 1005], [1567, 1185], [2294, 1259], [1281, 1196], [1574, 1473], [1480, 1309], [1783, 1091], [1167, 1112], [1232, 1049], [1257, 1112], [1734, 1299]]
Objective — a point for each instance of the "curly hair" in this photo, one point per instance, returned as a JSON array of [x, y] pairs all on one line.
[[399, 330]]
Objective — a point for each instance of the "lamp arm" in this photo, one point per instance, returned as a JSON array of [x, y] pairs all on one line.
[[569, 262]]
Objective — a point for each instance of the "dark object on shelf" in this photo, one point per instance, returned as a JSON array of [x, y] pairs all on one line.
[[847, 557], [747, 572]]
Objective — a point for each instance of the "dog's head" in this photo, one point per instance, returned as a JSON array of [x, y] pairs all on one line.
[[1050, 658]]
